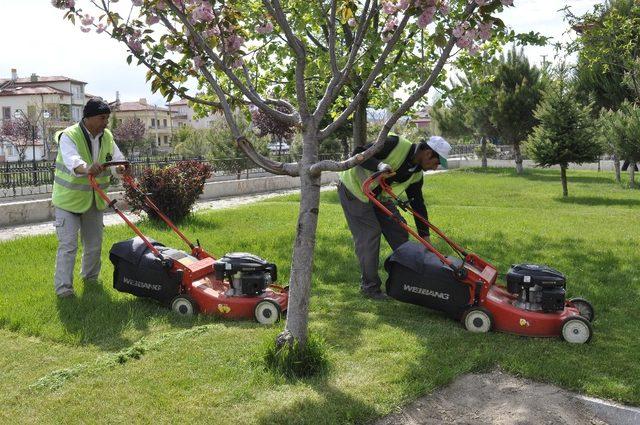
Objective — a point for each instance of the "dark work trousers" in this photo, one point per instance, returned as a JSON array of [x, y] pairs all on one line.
[[366, 223]]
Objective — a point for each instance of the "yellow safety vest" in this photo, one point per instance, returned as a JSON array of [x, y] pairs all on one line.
[[73, 193], [354, 177]]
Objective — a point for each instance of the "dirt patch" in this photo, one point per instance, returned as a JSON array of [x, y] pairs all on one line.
[[495, 398]]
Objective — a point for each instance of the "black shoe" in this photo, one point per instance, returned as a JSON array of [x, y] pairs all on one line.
[[375, 294]]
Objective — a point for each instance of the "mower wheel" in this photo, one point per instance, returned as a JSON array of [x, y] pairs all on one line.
[[267, 312], [584, 307], [477, 320], [184, 305], [576, 330]]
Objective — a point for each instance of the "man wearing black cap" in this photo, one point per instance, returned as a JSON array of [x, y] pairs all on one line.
[[82, 149]]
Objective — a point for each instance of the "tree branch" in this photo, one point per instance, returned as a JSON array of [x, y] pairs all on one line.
[[339, 122]]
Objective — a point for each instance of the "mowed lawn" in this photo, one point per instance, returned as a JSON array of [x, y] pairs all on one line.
[[107, 357]]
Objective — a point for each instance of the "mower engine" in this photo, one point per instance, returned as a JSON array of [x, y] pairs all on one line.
[[541, 288], [247, 274]]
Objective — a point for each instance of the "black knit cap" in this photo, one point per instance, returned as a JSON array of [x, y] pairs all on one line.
[[95, 107]]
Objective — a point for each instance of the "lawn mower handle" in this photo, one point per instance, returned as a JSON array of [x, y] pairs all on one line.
[[380, 177], [128, 178]]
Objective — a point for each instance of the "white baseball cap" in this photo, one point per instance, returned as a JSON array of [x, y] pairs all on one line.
[[441, 147]]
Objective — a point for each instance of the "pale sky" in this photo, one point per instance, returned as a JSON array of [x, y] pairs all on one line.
[[35, 39]]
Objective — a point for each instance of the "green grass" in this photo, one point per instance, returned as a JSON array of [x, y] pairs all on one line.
[[109, 357]]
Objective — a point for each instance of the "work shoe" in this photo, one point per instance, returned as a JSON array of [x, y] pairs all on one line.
[[66, 293], [375, 294]]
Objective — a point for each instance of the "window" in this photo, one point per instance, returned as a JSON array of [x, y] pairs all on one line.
[[166, 140], [153, 122], [76, 113], [6, 112], [164, 122]]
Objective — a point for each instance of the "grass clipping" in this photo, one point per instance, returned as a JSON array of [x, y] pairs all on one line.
[[293, 360]]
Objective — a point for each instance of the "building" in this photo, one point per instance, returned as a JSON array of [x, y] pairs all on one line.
[[49, 103], [158, 121], [183, 115]]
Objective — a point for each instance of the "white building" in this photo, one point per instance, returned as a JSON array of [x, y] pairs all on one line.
[[183, 115], [49, 103]]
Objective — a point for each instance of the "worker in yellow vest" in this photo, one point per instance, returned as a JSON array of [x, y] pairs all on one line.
[[408, 161], [82, 149]]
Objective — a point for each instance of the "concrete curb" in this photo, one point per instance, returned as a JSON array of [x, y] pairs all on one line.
[[39, 210], [611, 412]]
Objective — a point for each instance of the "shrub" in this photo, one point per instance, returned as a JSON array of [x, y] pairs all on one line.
[[173, 189], [492, 150]]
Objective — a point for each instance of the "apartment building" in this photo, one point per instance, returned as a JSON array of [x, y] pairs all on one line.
[[158, 121], [49, 103], [183, 115]]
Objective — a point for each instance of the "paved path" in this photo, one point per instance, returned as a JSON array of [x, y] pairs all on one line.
[[110, 219]]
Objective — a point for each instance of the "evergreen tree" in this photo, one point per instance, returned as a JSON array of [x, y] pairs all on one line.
[[565, 132], [621, 131], [518, 90]]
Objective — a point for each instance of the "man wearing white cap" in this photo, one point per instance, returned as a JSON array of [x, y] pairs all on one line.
[[408, 161]]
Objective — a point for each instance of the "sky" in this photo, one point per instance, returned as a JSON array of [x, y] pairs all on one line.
[[37, 40]]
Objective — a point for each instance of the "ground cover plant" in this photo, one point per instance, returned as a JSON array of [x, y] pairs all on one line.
[[109, 357]]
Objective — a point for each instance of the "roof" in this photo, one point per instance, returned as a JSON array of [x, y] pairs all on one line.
[[137, 106], [30, 90], [53, 79], [181, 102]]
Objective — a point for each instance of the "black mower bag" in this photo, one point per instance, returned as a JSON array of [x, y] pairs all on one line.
[[139, 272], [417, 276]]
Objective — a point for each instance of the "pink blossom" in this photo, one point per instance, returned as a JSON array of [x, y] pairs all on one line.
[[265, 28], [507, 2], [234, 42], [237, 63], [482, 2], [101, 28], [72, 3], [211, 32], [426, 17], [352, 22], [403, 4], [85, 29], [443, 8], [390, 25], [204, 13], [160, 5], [152, 19], [137, 2], [458, 31], [86, 20], [134, 44], [473, 49], [484, 30], [389, 8]]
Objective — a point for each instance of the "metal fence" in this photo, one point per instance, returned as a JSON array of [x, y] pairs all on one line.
[[36, 177]]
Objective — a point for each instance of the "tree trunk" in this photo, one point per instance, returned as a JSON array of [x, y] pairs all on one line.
[[518, 156], [303, 248], [563, 177], [360, 123], [632, 175], [483, 149], [616, 166]]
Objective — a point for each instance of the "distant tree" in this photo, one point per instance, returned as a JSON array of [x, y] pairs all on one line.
[[19, 133], [129, 134], [518, 91], [621, 131], [565, 132], [468, 115], [608, 46]]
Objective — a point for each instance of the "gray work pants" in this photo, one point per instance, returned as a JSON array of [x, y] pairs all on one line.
[[90, 226], [366, 224]]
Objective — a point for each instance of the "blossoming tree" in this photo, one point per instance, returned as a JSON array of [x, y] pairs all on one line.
[[292, 62]]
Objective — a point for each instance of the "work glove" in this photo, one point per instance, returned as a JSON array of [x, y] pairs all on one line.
[[384, 167]]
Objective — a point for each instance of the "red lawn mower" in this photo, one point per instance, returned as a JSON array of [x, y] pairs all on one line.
[[236, 286], [532, 304]]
